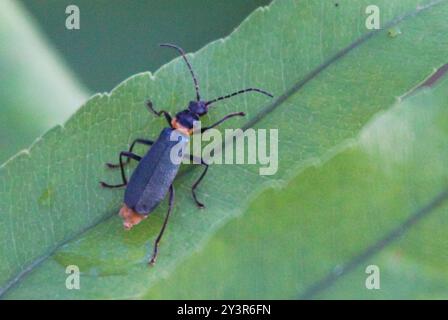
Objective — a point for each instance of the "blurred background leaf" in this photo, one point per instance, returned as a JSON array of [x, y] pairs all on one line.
[[120, 38], [37, 89], [348, 88]]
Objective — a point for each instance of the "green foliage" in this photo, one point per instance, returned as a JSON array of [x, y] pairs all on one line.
[[123, 39], [37, 91], [328, 216], [330, 76]]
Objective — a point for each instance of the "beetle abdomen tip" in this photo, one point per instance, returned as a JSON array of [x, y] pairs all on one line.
[[130, 217]]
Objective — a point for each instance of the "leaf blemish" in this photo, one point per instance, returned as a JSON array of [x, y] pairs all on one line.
[[394, 32], [47, 196], [435, 77], [430, 81]]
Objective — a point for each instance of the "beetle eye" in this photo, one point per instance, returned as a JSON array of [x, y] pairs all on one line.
[[202, 108]]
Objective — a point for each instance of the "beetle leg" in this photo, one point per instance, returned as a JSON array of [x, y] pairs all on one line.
[[165, 222], [141, 141], [234, 114], [123, 174], [196, 184], [159, 113]]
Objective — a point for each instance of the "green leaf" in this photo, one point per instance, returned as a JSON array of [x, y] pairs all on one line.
[[383, 201], [37, 89], [330, 76]]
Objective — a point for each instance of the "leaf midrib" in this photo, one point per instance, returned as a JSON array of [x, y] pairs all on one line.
[[357, 260]]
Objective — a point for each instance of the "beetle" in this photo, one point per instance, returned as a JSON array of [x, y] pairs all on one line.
[[153, 177]]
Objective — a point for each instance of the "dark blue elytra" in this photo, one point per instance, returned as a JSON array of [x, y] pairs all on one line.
[[153, 177], [155, 173]]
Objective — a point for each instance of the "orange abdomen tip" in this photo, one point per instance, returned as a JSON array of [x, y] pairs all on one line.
[[130, 217]]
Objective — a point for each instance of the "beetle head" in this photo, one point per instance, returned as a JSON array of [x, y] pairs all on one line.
[[198, 107]]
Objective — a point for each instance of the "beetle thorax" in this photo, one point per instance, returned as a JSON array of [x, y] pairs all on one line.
[[184, 122]]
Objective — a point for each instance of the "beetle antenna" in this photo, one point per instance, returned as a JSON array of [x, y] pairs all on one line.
[[238, 92], [182, 52]]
